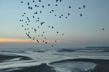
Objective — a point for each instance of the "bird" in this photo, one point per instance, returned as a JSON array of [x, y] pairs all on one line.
[[57, 32], [29, 32], [39, 0], [49, 26], [48, 4], [45, 42], [38, 35], [40, 11], [56, 0], [55, 41], [52, 10], [79, 8], [37, 41], [52, 27], [62, 34], [42, 6], [44, 37], [33, 1], [52, 45], [42, 23], [38, 26], [35, 5], [25, 21], [35, 12], [69, 6], [66, 17], [24, 13], [59, 16], [33, 16], [33, 38], [68, 14], [35, 30], [80, 14], [83, 6], [43, 32], [22, 25], [28, 3], [37, 20], [21, 1], [56, 4]]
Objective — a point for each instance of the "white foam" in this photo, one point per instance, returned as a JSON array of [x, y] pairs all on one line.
[[75, 66]]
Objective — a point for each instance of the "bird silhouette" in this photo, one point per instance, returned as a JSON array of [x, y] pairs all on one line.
[[55, 41], [21, 1], [68, 14], [57, 32], [33, 1], [40, 11], [45, 42], [62, 34], [52, 27], [80, 14], [52, 45], [83, 6], [103, 29], [35, 12], [48, 4], [28, 3], [69, 6], [42, 23], [56, 0], [79, 7], [56, 4], [39, 0], [42, 6]]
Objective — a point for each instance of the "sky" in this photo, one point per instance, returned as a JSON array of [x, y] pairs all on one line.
[[78, 31]]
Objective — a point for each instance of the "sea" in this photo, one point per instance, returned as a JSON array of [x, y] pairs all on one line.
[[88, 59]]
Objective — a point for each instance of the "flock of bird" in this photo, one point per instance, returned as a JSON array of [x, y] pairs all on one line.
[[27, 20]]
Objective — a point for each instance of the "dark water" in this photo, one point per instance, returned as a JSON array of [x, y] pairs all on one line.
[[54, 60]]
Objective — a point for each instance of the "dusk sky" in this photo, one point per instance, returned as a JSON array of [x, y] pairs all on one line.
[[78, 31]]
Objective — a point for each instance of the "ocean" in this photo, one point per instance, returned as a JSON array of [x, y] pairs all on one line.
[[89, 59]]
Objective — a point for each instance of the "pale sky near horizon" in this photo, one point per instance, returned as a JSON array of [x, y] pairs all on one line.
[[78, 31]]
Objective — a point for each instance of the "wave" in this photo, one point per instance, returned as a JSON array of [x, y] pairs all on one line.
[[12, 57], [81, 65]]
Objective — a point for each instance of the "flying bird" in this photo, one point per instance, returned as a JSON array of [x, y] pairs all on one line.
[[21, 1], [79, 7], [84, 6], [28, 3], [69, 6], [103, 29], [60, 0], [56, 0], [80, 14], [68, 14], [42, 6], [39, 0], [48, 4], [52, 45]]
